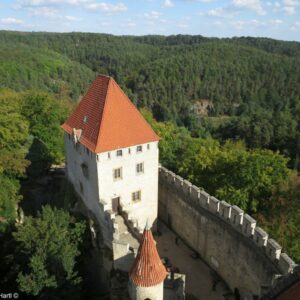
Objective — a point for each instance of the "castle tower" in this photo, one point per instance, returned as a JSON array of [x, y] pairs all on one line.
[[112, 155], [147, 273]]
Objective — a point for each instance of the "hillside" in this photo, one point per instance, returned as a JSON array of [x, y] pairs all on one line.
[[25, 67], [227, 112], [252, 83]]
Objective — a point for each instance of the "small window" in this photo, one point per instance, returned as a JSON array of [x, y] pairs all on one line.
[[97, 157], [140, 168], [139, 148], [88, 151], [129, 151], [148, 146], [136, 196], [85, 170], [108, 154], [119, 153], [117, 173], [69, 136]]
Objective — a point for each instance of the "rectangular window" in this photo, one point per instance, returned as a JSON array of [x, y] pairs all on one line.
[[129, 150], [148, 146], [108, 154], [87, 151], [139, 148], [117, 173], [97, 156], [140, 168], [119, 153], [136, 196]]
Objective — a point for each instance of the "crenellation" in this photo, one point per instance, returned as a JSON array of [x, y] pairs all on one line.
[[239, 220], [286, 264], [224, 210], [186, 187], [178, 181], [273, 249], [249, 225], [260, 237], [204, 198], [195, 193], [213, 204], [236, 216], [170, 176]]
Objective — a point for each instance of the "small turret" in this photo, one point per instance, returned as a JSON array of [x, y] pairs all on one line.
[[147, 273]]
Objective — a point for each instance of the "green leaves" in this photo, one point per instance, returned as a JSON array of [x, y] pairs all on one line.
[[51, 242], [45, 115], [230, 171], [24, 67], [30, 141]]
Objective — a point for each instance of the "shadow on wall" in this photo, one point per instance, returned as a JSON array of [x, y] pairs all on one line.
[[227, 238]]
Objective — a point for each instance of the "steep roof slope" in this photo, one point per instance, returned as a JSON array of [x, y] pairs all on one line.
[[147, 269], [108, 119]]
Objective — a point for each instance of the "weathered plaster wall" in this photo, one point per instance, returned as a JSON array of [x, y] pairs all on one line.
[[86, 187], [97, 187], [226, 238], [146, 182]]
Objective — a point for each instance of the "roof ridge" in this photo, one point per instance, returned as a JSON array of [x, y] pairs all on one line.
[[139, 113], [108, 118], [104, 110]]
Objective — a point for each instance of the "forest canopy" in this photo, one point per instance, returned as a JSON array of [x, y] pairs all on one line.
[[227, 112], [252, 85]]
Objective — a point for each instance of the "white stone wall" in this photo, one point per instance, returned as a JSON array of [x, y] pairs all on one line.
[[74, 158], [146, 182], [155, 292], [100, 187]]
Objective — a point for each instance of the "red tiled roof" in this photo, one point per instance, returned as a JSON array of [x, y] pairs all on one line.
[[108, 119], [147, 269]]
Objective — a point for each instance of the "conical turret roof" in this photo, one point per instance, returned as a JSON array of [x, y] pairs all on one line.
[[147, 269]]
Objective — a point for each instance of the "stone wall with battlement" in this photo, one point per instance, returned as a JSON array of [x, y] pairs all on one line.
[[227, 238]]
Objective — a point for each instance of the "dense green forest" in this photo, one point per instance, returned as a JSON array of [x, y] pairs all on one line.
[[252, 84], [242, 145]]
